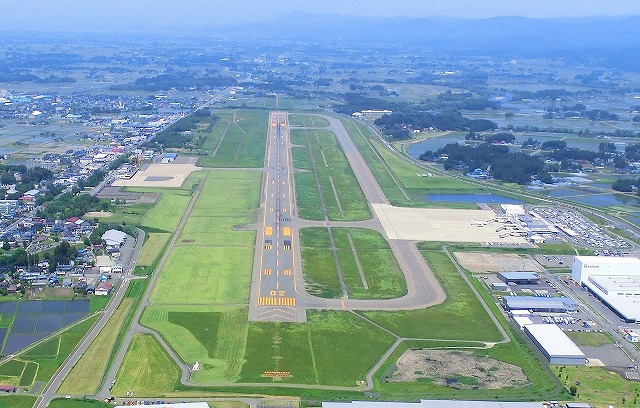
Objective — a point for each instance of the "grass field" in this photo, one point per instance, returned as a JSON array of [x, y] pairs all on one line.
[[590, 339], [459, 317], [205, 275], [302, 120], [86, 375], [211, 263], [152, 247], [383, 277], [167, 212], [243, 144], [599, 386], [308, 351], [77, 403], [146, 369], [215, 337], [339, 187], [18, 401]]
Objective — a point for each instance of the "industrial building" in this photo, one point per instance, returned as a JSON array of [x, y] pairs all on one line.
[[520, 278], [555, 345], [114, 238], [616, 281], [433, 404], [539, 304]]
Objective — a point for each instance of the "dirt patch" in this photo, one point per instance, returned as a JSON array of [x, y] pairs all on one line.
[[457, 369], [160, 175], [478, 262], [482, 262], [98, 214]]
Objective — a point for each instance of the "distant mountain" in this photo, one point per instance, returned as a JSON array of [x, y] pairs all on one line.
[[498, 32]]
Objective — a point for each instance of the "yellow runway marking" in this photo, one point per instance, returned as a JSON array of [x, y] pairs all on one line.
[[268, 230], [286, 231], [287, 272], [267, 271]]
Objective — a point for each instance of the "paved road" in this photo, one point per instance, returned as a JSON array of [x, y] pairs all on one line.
[[128, 262]]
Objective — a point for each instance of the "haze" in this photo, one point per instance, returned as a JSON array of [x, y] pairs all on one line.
[[155, 15]]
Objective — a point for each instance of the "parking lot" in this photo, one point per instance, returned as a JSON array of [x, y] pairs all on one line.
[[582, 231]]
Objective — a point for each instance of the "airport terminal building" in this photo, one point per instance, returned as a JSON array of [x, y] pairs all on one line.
[[616, 281]]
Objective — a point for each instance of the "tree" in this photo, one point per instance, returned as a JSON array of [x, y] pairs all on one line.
[[607, 147], [573, 389], [6, 246]]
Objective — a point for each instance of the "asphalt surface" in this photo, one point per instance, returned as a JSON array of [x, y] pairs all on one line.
[[128, 261], [273, 289]]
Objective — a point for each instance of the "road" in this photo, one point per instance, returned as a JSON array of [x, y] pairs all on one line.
[[49, 390]]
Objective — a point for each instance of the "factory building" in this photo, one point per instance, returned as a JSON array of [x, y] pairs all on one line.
[[555, 345], [539, 304], [520, 278], [614, 280]]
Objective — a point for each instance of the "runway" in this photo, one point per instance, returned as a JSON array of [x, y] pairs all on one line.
[[423, 289]]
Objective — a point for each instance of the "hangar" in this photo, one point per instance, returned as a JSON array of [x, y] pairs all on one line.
[[539, 304], [555, 345], [616, 281]]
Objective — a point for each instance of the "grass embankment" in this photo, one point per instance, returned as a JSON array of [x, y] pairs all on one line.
[[86, 376], [242, 135], [155, 243], [302, 120], [339, 187], [383, 278]]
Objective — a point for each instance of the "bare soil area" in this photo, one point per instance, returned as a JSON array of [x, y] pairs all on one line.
[[457, 369], [482, 262]]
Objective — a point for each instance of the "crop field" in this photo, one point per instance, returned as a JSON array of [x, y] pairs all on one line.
[[205, 275], [368, 265], [146, 369], [302, 120], [243, 143], [218, 231], [215, 337], [459, 317], [152, 247], [18, 401], [341, 193], [86, 375], [241, 194]]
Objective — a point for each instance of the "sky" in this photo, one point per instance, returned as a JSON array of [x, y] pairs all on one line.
[[154, 15]]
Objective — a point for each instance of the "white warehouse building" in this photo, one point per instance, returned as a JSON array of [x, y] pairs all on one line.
[[616, 281]]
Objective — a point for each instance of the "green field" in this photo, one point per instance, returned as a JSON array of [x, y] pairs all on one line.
[[205, 275], [211, 263], [382, 275], [308, 351], [590, 339], [86, 375], [599, 386], [18, 401], [459, 317], [146, 369], [167, 212], [152, 247], [301, 120], [77, 403], [243, 143], [215, 337], [339, 188]]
